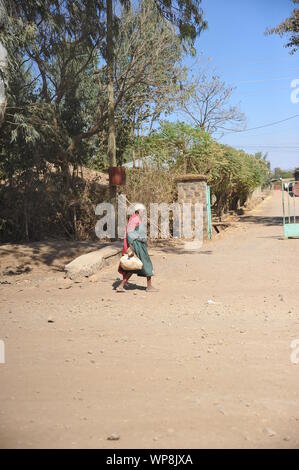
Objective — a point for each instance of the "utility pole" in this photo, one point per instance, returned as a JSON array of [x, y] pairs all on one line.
[[110, 89], [111, 103]]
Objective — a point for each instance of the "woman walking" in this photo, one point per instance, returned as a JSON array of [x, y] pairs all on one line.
[[135, 242]]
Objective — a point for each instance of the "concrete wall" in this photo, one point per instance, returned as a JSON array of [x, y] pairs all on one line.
[[256, 197]]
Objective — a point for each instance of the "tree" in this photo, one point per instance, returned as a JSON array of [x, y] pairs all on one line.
[[56, 43], [186, 15], [3, 55], [62, 38], [289, 27], [148, 71], [280, 173], [110, 85], [57, 86], [208, 104], [232, 174], [176, 145], [147, 75]]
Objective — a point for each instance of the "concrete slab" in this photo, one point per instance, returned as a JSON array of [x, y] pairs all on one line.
[[90, 263]]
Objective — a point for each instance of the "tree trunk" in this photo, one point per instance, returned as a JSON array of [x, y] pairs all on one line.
[[111, 103], [75, 222], [66, 173], [110, 89], [26, 219]]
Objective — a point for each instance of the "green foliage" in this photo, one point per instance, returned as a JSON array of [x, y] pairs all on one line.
[[280, 173], [232, 174], [56, 115], [186, 15], [51, 93], [56, 89], [290, 28]]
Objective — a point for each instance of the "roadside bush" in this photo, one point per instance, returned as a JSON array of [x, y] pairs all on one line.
[[39, 207], [178, 148]]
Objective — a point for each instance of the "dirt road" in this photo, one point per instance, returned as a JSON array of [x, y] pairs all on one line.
[[160, 370]]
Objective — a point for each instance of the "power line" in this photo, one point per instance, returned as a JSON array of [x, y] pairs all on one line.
[[267, 150], [261, 127], [263, 90], [279, 146], [273, 79], [241, 63]]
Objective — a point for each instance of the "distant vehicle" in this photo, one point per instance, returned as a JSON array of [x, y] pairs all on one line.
[[294, 189], [291, 187], [288, 187]]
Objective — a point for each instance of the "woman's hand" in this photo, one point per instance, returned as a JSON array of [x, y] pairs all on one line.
[[130, 252]]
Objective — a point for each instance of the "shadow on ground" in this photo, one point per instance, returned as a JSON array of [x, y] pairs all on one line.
[[168, 246], [21, 258], [129, 287], [262, 220]]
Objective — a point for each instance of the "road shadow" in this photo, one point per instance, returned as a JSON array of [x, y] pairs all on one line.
[[22, 258], [177, 248], [274, 237], [130, 286], [261, 220]]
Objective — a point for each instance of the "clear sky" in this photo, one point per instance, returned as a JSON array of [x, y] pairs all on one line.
[[260, 67]]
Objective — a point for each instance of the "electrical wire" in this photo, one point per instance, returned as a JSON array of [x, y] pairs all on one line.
[[261, 127]]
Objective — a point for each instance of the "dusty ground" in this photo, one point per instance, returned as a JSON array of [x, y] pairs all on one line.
[[161, 370]]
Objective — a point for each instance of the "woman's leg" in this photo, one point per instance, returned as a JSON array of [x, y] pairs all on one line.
[[126, 277], [149, 287]]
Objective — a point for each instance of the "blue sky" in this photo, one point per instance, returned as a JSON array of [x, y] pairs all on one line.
[[260, 67]]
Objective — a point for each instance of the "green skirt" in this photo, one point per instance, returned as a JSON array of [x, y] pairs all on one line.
[[140, 249]]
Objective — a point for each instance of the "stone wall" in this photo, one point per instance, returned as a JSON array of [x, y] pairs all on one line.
[[256, 197], [192, 189]]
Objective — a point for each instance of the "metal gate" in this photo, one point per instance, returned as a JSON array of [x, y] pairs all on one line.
[[290, 193], [209, 213]]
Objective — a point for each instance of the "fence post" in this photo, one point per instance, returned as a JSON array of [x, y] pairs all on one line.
[[209, 212]]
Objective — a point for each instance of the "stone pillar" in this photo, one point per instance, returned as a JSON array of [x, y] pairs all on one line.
[[192, 189]]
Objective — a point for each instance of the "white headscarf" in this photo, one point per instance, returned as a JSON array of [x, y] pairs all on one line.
[[139, 207]]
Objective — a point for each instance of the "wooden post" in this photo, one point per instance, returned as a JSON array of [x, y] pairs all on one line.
[[110, 89]]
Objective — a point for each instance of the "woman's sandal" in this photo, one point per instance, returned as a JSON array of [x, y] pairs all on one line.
[[120, 289]]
